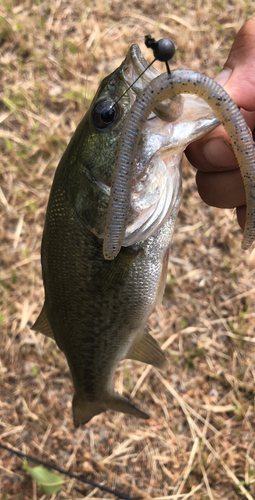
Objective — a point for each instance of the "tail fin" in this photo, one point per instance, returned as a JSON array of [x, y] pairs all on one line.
[[84, 410]]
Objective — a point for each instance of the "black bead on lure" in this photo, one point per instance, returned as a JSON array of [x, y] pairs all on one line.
[[163, 50], [163, 87]]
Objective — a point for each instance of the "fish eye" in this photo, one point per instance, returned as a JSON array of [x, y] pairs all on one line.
[[105, 113]]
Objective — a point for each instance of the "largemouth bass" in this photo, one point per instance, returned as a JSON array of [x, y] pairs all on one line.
[[95, 309]]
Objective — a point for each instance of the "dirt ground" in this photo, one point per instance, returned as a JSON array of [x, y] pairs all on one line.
[[199, 441]]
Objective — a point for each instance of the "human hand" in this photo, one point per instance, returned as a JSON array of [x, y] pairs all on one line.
[[218, 178]]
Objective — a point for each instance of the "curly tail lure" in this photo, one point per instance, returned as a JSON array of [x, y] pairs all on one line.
[[163, 87]]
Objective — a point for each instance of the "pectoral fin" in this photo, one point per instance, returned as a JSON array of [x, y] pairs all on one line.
[[114, 272], [42, 324], [146, 349]]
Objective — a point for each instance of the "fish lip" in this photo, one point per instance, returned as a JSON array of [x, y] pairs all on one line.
[[135, 64]]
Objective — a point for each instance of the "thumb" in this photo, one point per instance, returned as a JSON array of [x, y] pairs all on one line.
[[239, 70]]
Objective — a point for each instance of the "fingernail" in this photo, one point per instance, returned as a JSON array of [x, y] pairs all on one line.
[[224, 76], [218, 153]]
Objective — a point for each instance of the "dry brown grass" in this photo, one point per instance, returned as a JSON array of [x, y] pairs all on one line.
[[199, 442]]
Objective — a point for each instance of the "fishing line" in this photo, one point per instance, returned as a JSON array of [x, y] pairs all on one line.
[[69, 474]]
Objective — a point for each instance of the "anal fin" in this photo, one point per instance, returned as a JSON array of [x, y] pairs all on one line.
[[42, 324], [146, 349]]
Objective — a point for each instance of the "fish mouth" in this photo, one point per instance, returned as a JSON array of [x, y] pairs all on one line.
[[173, 124]]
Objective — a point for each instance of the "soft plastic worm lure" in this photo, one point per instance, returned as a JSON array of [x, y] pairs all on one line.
[[163, 87]]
